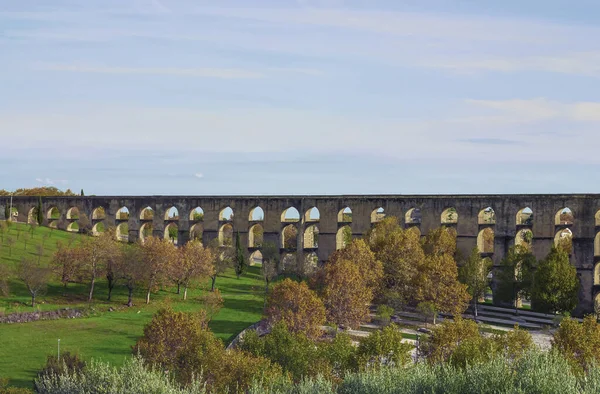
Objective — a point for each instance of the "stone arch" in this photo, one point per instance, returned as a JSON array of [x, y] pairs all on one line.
[[311, 263], [289, 237], [564, 217], [525, 217], [597, 303], [345, 215], [377, 215], [343, 237], [312, 215], [73, 227], [524, 238], [147, 213], [564, 239], [73, 213], [290, 215], [99, 213], [146, 231], [413, 216], [226, 214], [257, 214], [122, 214], [226, 235], [14, 214], [32, 216], [98, 229], [449, 216], [485, 241], [597, 274], [197, 214], [288, 262], [597, 244], [597, 216], [53, 214], [256, 236], [122, 232], [311, 237], [172, 214], [172, 232], [487, 216], [197, 232], [255, 258]]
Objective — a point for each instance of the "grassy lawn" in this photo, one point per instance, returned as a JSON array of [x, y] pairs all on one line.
[[104, 334]]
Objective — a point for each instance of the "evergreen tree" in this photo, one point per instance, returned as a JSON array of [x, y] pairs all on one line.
[[39, 215], [515, 277], [7, 212], [82, 194], [240, 257], [556, 285]]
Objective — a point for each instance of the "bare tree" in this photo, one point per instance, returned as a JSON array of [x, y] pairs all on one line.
[[10, 242], [129, 268], [34, 276], [223, 259]]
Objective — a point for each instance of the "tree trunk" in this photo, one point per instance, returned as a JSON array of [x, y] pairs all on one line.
[[266, 295], [178, 288], [130, 299], [434, 316], [92, 289], [148, 297], [475, 309], [111, 285], [32, 300], [185, 293], [214, 279]]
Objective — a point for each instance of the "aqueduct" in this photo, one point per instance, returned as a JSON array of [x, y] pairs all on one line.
[[316, 226]]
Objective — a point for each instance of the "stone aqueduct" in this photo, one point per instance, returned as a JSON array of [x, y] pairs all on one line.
[[506, 217]]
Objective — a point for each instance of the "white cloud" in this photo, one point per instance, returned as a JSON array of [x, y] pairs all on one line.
[[49, 182], [199, 175]]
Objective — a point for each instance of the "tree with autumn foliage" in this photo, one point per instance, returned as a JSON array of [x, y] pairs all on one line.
[[223, 259], [359, 252], [297, 306], [66, 264], [578, 342], [157, 255], [346, 294], [194, 264], [94, 255], [129, 269]]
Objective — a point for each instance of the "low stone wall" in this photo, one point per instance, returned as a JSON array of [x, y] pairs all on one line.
[[26, 317], [261, 327]]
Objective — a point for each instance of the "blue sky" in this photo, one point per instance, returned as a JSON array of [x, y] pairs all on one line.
[[300, 96]]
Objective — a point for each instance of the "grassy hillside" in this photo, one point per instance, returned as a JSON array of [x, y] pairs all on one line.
[[105, 335]]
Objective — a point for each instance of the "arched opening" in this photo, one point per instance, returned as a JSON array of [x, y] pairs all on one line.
[[413, 216], [147, 214], [32, 216], [255, 258], [226, 235], [122, 232], [564, 217], [524, 238], [256, 214], [146, 231], [196, 232], [53, 214], [311, 237], [597, 245], [53, 224], [172, 232], [289, 237], [197, 214], [312, 215], [597, 304], [172, 214], [256, 236], [487, 216], [377, 215], [226, 214], [564, 240], [99, 214], [288, 262], [343, 237], [525, 217], [485, 241], [73, 227], [73, 213], [597, 274], [122, 214], [597, 220], [14, 214], [345, 215], [290, 215], [98, 229], [449, 216], [311, 263]]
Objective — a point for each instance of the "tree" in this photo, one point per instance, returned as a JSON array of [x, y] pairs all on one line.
[[67, 363], [515, 276], [270, 254], [82, 194], [212, 303], [4, 277], [66, 264], [555, 286], [130, 269], [240, 257], [346, 295], [158, 255], [39, 213], [297, 306], [223, 260], [371, 270], [39, 250], [474, 274], [10, 242], [578, 342], [34, 276], [383, 347], [7, 212], [194, 264], [95, 254]]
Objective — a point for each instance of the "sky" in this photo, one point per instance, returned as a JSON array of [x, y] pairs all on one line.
[[197, 97]]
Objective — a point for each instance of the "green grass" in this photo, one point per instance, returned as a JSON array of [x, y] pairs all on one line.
[[104, 335]]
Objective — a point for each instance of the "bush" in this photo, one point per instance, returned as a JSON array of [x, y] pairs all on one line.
[[67, 363]]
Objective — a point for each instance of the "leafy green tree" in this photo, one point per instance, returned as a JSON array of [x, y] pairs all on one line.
[[556, 285], [240, 257], [578, 342], [39, 213], [474, 274], [82, 194], [6, 212], [515, 276], [384, 347]]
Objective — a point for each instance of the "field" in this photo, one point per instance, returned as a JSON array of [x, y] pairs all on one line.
[[106, 335]]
